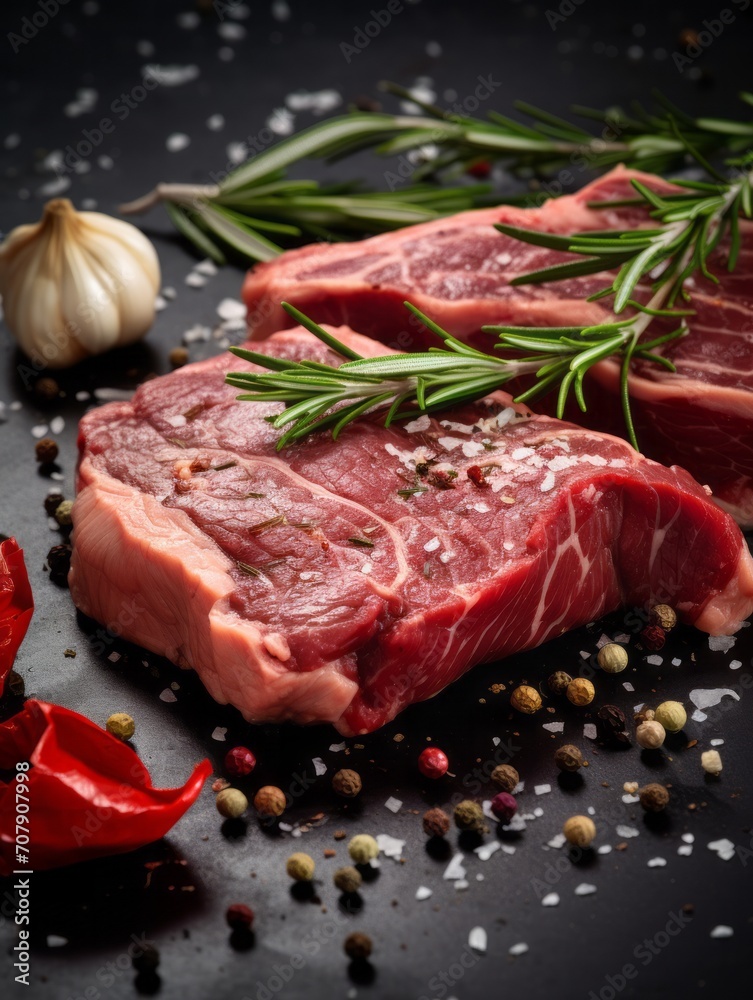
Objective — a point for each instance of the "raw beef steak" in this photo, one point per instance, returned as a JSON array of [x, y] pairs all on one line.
[[458, 271], [341, 581]]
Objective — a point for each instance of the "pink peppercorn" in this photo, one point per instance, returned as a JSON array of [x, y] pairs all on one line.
[[504, 806], [239, 761], [653, 637], [433, 763], [239, 916]]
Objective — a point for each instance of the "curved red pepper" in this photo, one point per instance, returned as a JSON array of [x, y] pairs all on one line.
[[16, 604], [89, 795]]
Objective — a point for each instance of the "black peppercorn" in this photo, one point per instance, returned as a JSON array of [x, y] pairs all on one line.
[[46, 389], [146, 959], [358, 946], [59, 561], [46, 451], [16, 685], [52, 501], [611, 725]]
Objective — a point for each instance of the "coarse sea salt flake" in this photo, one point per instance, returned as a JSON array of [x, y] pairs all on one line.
[[589, 731], [551, 899], [218, 733], [735, 664], [655, 660], [584, 889], [337, 747], [319, 766], [724, 848], [554, 727], [477, 939], [708, 697], [455, 870], [626, 832], [485, 851], [722, 931], [421, 423], [391, 847], [518, 949], [547, 483], [722, 643], [542, 789], [685, 850], [657, 863], [231, 309], [177, 142], [717, 743], [168, 696], [394, 805], [423, 892]]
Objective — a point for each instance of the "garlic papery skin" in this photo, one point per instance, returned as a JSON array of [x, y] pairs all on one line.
[[77, 284]]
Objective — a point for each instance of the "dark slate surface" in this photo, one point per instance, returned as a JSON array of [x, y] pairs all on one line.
[[598, 54]]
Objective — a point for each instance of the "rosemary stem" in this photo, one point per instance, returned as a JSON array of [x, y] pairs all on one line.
[[181, 194]]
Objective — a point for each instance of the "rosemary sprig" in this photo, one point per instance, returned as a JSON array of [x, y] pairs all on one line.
[[257, 204], [319, 396], [687, 229], [648, 139], [257, 209]]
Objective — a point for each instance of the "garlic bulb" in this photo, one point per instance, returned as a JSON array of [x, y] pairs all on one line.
[[76, 284]]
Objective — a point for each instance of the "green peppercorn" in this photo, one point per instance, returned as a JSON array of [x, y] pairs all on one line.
[[558, 682], [671, 715], [347, 879], [300, 867], [470, 816], [231, 803], [363, 848], [63, 513], [612, 658], [121, 725]]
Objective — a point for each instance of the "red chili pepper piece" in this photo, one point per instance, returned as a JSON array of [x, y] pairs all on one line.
[[16, 604], [476, 475], [89, 795]]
